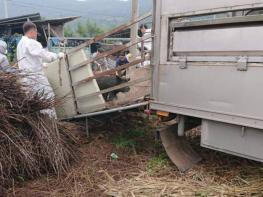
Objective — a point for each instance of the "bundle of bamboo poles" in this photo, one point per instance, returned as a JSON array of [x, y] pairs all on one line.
[[31, 143]]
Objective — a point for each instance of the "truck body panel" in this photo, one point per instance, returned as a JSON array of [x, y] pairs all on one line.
[[170, 7], [208, 64]]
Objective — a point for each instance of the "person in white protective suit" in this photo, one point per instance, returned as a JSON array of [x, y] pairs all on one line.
[[31, 55], [143, 33], [4, 63]]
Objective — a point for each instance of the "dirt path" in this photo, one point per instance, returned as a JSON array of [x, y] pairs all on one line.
[[139, 167]]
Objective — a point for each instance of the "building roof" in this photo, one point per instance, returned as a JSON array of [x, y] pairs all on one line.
[[20, 19], [36, 18], [57, 21]]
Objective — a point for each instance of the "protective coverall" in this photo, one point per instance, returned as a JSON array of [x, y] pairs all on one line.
[[31, 55], [148, 42], [4, 63]]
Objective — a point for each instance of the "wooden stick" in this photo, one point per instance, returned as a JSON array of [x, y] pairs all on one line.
[[108, 72], [115, 30], [124, 85], [107, 53]]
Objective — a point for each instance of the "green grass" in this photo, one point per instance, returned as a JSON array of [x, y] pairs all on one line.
[[135, 133], [202, 194], [122, 142], [157, 163], [129, 139]]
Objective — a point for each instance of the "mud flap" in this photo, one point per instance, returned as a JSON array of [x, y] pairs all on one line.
[[178, 148]]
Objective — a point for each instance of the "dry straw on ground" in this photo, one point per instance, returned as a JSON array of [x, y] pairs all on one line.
[[97, 174], [31, 143], [144, 185]]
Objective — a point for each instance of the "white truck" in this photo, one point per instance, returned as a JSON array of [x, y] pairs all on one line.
[[208, 64]]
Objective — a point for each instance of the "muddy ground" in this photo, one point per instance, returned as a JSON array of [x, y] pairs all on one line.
[[122, 157]]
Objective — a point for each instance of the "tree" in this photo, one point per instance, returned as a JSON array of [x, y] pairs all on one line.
[[93, 29], [84, 29], [81, 30], [68, 32]]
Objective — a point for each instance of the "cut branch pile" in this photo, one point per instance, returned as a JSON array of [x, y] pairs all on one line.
[[31, 143]]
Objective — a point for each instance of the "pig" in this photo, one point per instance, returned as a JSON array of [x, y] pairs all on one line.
[[109, 82]]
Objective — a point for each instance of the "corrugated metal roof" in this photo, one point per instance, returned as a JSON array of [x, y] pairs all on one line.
[[36, 18], [57, 20], [18, 19]]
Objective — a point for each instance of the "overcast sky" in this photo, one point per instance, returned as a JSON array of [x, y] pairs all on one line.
[[84, 8]]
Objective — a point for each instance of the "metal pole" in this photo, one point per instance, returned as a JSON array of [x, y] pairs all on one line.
[[181, 125], [134, 28], [118, 109], [6, 8], [87, 127]]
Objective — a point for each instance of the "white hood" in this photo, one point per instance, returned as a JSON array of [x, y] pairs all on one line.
[[3, 47]]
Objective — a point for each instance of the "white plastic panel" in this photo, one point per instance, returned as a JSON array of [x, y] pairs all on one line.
[[67, 108], [91, 104], [61, 88], [227, 39], [180, 6]]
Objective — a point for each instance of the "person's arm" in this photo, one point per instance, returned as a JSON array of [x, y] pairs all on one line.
[[35, 49], [5, 66]]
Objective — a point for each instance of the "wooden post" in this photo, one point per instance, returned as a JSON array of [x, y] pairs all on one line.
[[134, 28]]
